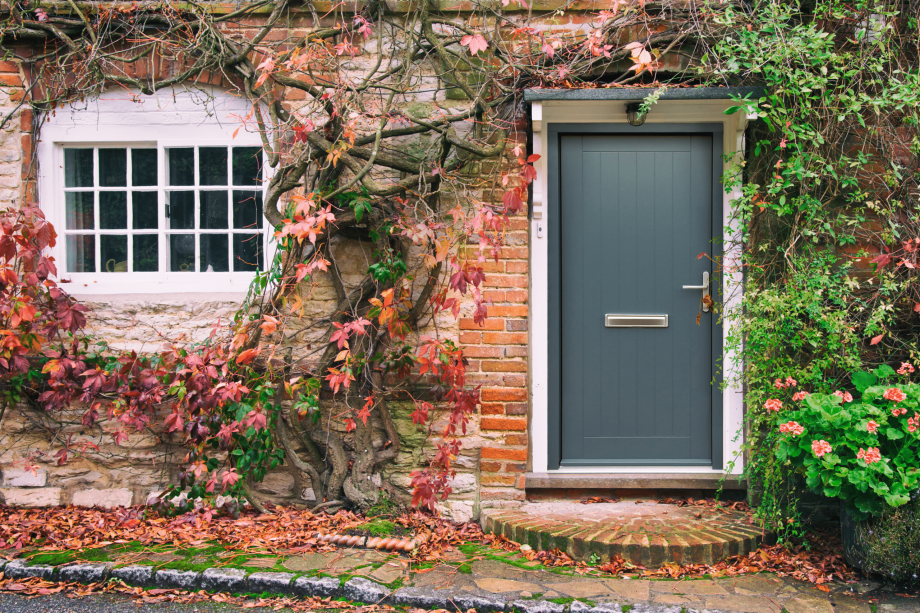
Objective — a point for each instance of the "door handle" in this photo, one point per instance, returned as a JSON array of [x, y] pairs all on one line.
[[704, 287]]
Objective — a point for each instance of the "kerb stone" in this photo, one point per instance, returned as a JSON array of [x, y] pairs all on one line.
[[179, 579], [14, 477], [223, 580], [537, 606], [324, 587], [17, 569], [31, 497], [84, 573], [363, 590], [276, 583], [137, 575]]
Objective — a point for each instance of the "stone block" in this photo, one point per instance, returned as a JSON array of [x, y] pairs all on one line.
[[223, 580], [465, 602], [277, 484], [179, 579], [106, 499], [15, 477], [137, 575], [84, 573], [323, 587], [274, 583], [363, 590], [31, 497], [18, 569], [421, 598]]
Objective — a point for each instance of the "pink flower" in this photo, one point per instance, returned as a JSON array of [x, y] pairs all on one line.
[[913, 422], [870, 455], [820, 448], [792, 427], [790, 382], [898, 412], [872, 427], [799, 396], [773, 405], [847, 396], [905, 369], [894, 394], [779, 384]]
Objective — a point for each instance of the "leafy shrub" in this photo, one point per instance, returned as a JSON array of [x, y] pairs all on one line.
[[890, 544], [864, 451]]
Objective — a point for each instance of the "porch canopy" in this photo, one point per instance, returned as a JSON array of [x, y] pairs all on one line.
[[639, 93]]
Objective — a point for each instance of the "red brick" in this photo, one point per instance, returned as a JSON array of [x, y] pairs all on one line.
[[515, 296], [515, 380], [502, 494], [498, 480], [492, 323], [518, 223], [10, 80], [514, 467], [490, 379], [517, 266], [492, 453], [508, 310], [517, 325], [9, 67], [490, 467], [516, 439], [492, 408], [500, 338], [516, 351], [483, 352], [503, 423], [516, 408], [494, 280], [501, 394], [25, 119], [493, 266], [471, 338], [503, 366]]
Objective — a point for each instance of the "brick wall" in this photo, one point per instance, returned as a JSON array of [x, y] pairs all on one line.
[[494, 458]]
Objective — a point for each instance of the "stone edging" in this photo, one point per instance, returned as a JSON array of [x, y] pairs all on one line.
[[357, 589]]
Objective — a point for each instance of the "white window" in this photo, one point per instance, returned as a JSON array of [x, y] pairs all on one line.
[[158, 208]]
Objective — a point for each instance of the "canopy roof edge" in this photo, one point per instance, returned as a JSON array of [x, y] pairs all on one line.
[[639, 93]]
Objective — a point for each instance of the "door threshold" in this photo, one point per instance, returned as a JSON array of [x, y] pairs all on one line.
[[661, 480]]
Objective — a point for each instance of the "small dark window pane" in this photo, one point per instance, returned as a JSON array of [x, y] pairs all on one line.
[[81, 253], [79, 210], [247, 164], [247, 252], [113, 167], [143, 167], [212, 165], [114, 253], [146, 253], [214, 210], [181, 166], [214, 253], [144, 211], [247, 210], [113, 210], [181, 210], [182, 252], [78, 168]]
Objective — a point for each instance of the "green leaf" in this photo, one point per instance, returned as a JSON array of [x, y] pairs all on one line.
[[863, 381], [894, 434]]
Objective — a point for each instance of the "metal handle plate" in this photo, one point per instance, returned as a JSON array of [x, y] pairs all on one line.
[[704, 288], [635, 321]]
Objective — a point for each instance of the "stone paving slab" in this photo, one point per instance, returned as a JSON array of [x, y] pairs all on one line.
[[644, 533]]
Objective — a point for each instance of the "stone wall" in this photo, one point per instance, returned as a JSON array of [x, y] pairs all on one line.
[[493, 460]]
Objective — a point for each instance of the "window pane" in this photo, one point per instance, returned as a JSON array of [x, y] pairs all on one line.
[[247, 252], [182, 252], [146, 253], [247, 162], [113, 167], [214, 253], [247, 210], [113, 210], [143, 167], [212, 165], [79, 210], [78, 167], [81, 253], [181, 166], [144, 210], [114, 253], [181, 210], [214, 210]]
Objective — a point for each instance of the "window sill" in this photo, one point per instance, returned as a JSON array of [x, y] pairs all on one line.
[[139, 283]]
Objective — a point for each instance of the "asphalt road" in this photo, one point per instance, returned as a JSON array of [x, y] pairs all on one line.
[[107, 603]]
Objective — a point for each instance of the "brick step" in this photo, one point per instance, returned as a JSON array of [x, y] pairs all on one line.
[[646, 533]]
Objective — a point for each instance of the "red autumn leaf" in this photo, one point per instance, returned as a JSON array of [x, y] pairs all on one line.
[[876, 339], [475, 42], [247, 356]]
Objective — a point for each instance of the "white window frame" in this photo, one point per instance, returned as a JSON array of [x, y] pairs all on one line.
[[613, 111], [174, 123]]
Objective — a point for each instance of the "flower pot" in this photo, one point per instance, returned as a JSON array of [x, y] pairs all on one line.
[[850, 530]]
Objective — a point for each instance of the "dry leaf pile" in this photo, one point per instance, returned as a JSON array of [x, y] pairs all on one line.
[[35, 587]]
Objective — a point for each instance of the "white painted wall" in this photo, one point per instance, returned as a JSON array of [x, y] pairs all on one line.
[[614, 111]]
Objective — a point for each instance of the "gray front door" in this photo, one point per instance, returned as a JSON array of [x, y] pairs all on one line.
[[635, 213]]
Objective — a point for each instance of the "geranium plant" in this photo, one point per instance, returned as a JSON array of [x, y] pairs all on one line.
[[865, 451]]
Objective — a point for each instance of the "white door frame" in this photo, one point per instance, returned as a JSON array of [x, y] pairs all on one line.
[[546, 112]]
